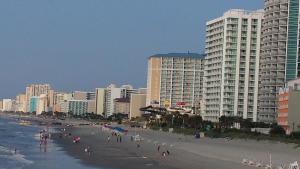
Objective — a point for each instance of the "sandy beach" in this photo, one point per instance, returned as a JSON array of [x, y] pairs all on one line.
[[185, 151]]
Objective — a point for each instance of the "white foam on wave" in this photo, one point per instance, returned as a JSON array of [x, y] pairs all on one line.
[[8, 154]]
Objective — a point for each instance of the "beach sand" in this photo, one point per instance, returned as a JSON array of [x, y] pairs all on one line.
[[185, 151]]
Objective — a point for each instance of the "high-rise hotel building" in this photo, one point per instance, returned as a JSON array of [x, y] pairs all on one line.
[[232, 62], [279, 53], [175, 78], [35, 90]]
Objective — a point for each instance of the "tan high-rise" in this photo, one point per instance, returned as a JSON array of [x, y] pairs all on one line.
[[174, 78]]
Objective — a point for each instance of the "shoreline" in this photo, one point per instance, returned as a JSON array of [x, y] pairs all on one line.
[[185, 151]]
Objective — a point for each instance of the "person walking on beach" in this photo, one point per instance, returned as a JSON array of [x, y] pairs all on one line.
[[89, 150], [158, 148], [168, 152], [108, 138], [131, 138], [120, 139]]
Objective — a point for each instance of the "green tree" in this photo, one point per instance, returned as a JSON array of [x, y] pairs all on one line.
[[277, 130]]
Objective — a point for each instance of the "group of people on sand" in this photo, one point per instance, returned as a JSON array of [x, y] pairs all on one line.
[[44, 136], [117, 135], [164, 153]]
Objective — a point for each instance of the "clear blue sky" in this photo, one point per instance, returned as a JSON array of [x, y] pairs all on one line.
[[83, 44]]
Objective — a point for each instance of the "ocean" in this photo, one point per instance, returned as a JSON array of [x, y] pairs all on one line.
[[29, 155]]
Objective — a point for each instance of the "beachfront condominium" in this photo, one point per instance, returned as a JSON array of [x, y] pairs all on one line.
[[175, 78], [1, 105], [35, 90], [7, 105], [20, 102], [61, 101], [112, 92], [137, 101], [83, 95], [279, 53], [231, 66], [100, 101], [78, 107]]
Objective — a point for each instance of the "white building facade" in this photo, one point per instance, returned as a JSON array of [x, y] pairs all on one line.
[[232, 65], [112, 93]]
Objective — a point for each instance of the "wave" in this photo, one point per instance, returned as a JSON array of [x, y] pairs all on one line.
[[9, 159]]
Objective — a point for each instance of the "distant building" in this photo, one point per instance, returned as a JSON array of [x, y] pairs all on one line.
[[100, 101], [288, 106], [78, 107], [91, 106], [122, 105], [61, 102], [42, 105], [129, 90], [82, 95], [112, 93], [7, 105], [137, 101], [232, 65], [1, 105], [21, 103], [34, 101], [175, 78], [51, 100], [35, 90]]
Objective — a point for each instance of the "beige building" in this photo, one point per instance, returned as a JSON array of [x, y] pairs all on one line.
[[80, 95], [100, 101], [8, 105], [61, 102], [122, 105], [21, 102], [1, 105], [175, 78], [137, 101], [35, 90], [42, 104], [51, 100], [91, 106]]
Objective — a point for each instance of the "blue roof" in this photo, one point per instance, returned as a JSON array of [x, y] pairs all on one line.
[[180, 55]]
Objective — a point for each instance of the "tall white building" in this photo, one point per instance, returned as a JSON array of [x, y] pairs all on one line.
[[112, 93], [232, 64]]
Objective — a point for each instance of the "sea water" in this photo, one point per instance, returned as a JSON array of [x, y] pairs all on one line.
[[29, 154]]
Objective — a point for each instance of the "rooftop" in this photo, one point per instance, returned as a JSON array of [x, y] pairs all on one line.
[[180, 55], [123, 100]]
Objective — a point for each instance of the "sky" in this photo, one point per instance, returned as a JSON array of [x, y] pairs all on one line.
[[84, 44]]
